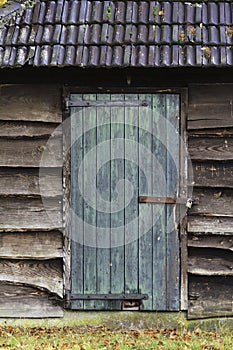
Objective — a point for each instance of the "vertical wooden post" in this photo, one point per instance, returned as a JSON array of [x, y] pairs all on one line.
[[66, 201], [183, 193]]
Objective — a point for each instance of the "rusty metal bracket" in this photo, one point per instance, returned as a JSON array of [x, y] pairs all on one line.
[[69, 103], [165, 200], [107, 296]]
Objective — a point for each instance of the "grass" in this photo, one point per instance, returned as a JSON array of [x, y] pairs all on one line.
[[89, 338]]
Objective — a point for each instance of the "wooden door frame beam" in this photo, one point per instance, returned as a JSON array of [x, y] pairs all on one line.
[[183, 193]]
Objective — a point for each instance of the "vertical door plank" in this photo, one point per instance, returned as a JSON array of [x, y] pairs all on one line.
[[77, 278], [117, 196], [103, 199], [159, 210], [89, 208], [145, 188], [173, 260], [131, 209]]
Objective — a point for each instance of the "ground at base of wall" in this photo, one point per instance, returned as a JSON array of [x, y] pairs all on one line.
[[125, 320]]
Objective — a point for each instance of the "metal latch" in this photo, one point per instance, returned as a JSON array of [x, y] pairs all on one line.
[[189, 203], [166, 200]]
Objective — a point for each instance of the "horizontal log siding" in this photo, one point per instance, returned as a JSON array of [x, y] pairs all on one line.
[[210, 220], [31, 242], [205, 298], [23, 301]]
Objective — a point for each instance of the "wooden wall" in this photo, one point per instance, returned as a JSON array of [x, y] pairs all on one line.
[[31, 242], [210, 221]]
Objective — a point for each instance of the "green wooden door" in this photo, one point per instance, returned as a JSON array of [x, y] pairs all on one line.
[[124, 146]]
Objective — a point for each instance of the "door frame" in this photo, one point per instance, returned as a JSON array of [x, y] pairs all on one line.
[[183, 183]]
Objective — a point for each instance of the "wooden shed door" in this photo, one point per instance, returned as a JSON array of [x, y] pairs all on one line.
[[125, 147]]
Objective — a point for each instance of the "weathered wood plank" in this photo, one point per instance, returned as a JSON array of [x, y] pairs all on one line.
[[30, 102], [159, 227], [211, 174], [210, 114], [145, 255], [16, 129], [183, 267], [24, 181], [43, 245], [220, 132], [210, 262], [202, 93], [208, 287], [41, 274], [117, 218], [77, 203], [172, 183], [210, 308], [210, 225], [18, 301], [210, 106], [212, 202], [184, 191], [218, 242], [29, 153], [210, 296], [103, 200], [131, 210], [22, 213], [89, 216], [211, 148]]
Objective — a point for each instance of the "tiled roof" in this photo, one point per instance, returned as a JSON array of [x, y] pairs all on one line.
[[118, 33]]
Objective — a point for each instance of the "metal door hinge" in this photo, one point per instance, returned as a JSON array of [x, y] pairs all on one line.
[[123, 103], [109, 296]]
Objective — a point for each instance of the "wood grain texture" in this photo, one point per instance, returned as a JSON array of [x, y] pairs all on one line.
[[17, 301], [33, 181], [210, 296], [145, 249], [210, 225], [77, 204], [211, 148], [66, 207], [131, 267], [183, 191], [30, 103], [117, 220], [103, 184], [210, 106], [172, 183], [210, 262], [134, 265], [41, 274], [22, 213], [31, 245], [184, 261], [216, 242], [211, 174], [29, 153], [220, 132], [90, 211], [21, 129], [212, 202], [218, 307]]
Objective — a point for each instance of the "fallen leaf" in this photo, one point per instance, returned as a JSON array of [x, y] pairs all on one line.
[[217, 194]]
